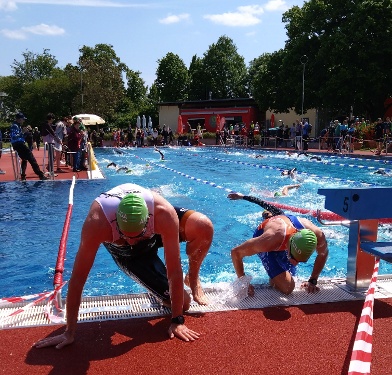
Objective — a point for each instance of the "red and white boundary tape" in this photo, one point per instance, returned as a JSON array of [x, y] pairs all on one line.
[[361, 356], [6, 301], [42, 297]]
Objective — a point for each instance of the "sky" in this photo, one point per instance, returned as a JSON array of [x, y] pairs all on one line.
[[141, 32]]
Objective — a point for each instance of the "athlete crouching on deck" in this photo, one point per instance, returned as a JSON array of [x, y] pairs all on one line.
[[132, 223], [281, 242]]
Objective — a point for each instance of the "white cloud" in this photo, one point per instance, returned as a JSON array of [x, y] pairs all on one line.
[[252, 9], [13, 34], [42, 29], [174, 18], [276, 5], [247, 15], [7, 5], [11, 5], [240, 19]]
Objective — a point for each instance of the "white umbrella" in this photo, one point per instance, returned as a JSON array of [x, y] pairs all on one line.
[[138, 123], [88, 119], [149, 122], [144, 122]]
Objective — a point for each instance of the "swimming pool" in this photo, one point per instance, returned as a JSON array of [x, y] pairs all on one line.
[[32, 214]]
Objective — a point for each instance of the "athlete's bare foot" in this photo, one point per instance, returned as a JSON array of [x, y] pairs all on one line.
[[197, 292]]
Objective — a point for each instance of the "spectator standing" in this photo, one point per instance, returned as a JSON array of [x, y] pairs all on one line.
[[155, 137], [49, 137], [171, 136], [337, 135], [292, 134], [19, 145], [165, 135], [83, 147], [307, 128], [379, 135], [61, 133], [37, 138], [298, 134], [74, 139], [28, 136]]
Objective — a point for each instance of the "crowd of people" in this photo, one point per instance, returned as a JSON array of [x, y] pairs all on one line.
[[65, 140]]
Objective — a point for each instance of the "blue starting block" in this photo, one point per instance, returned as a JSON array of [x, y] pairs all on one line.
[[363, 207], [383, 250]]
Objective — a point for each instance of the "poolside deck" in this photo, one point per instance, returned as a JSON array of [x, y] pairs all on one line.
[[67, 174], [269, 335], [282, 335]]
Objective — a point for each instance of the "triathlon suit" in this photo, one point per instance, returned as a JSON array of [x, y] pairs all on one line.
[[140, 260], [275, 262]]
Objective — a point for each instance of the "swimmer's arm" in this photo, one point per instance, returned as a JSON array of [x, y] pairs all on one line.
[[275, 211], [321, 250], [268, 241]]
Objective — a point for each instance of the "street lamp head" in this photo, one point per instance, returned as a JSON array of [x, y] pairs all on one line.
[[304, 59]]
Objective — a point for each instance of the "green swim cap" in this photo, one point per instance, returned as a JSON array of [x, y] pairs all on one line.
[[303, 244], [132, 214], [277, 194]]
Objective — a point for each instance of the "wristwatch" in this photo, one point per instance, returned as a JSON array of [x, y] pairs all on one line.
[[178, 320], [312, 281]]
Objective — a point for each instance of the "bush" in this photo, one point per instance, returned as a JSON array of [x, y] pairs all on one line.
[[366, 132]]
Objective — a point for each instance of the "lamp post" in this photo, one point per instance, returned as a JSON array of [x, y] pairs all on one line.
[[304, 60]]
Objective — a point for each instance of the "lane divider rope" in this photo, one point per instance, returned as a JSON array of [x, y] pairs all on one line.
[[262, 166]]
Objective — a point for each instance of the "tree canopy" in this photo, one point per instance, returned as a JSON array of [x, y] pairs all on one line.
[[337, 58]]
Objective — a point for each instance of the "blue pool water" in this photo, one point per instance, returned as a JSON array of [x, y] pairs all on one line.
[[32, 214]]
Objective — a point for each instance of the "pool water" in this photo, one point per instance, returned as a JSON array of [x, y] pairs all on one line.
[[32, 214]]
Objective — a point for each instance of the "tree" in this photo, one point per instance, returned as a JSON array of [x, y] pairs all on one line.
[[102, 85], [197, 85], [34, 66], [350, 57], [136, 88], [46, 95], [225, 70], [172, 78]]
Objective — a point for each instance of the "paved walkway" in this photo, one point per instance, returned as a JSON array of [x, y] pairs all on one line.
[[304, 340]]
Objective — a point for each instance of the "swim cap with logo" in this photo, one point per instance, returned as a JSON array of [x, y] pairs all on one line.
[[302, 245], [132, 214]]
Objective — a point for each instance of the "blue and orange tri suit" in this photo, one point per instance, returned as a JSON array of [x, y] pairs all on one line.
[[275, 262]]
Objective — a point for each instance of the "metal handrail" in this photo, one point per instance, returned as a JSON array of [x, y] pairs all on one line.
[[345, 223], [15, 163]]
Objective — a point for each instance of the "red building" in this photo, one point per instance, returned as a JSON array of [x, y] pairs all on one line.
[[204, 112]]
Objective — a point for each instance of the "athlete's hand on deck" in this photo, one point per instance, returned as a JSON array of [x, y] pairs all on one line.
[[251, 290], [58, 341], [310, 287], [182, 332]]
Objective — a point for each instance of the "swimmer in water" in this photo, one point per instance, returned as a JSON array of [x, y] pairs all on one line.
[[160, 153], [285, 190], [289, 172], [382, 172], [126, 169]]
